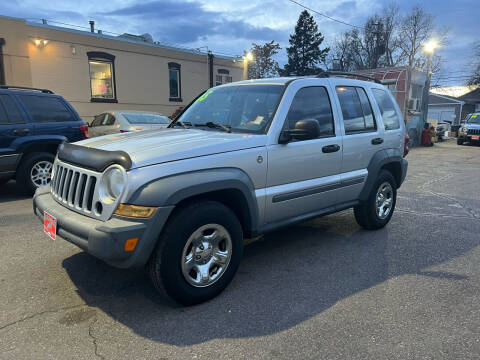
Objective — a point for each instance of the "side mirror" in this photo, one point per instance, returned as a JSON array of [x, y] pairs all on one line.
[[304, 130]]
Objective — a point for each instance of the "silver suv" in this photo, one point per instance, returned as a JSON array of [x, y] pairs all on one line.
[[241, 160]]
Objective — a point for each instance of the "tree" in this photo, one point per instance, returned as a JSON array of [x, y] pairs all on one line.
[[263, 65], [475, 76], [304, 53]]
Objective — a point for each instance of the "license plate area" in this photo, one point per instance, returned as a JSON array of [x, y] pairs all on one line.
[[475, 137], [50, 225]]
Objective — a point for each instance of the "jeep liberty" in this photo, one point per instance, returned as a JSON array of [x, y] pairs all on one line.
[[241, 160]]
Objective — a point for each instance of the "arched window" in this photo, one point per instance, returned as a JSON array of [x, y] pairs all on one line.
[[102, 77]]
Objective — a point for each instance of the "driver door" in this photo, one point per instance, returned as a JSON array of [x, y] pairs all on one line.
[[304, 176]]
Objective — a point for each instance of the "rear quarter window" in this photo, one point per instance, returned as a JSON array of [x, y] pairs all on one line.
[[47, 108], [390, 118], [9, 113]]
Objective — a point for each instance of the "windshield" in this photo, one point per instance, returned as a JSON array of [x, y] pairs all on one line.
[[242, 108], [139, 118], [474, 119]]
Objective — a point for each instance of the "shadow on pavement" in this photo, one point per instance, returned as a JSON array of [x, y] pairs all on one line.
[[10, 192], [284, 279]]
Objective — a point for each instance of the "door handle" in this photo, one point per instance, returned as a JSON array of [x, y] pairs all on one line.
[[377, 141], [21, 131], [330, 148]]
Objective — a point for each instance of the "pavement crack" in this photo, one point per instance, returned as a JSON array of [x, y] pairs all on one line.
[[94, 339], [3, 327]]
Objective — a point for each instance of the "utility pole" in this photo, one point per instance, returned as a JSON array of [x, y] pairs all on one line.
[[376, 50], [429, 49]]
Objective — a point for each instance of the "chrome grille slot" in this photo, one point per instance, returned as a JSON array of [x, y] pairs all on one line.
[[74, 187], [473, 132]]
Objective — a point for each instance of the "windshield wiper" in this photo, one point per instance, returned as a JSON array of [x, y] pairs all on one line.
[[181, 123], [213, 125]]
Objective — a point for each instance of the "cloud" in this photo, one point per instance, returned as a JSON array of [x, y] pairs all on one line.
[[188, 22]]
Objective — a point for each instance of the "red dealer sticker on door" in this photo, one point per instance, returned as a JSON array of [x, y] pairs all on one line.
[[50, 225]]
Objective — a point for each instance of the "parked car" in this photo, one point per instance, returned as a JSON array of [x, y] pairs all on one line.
[[33, 122], [470, 129], [112, 122], [243, 159]]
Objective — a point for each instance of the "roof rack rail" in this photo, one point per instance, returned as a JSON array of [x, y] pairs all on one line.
[[326, 74], [46, 91]]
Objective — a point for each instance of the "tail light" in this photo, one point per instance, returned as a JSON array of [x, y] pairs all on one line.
[[84, 130], [124, 131], [405, 145]]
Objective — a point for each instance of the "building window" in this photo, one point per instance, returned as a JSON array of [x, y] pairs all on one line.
[[174, 80], [218, 80], [228, 79], [102, 77]]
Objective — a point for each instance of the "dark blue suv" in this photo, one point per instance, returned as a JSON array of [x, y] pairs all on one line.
[[33, 123]]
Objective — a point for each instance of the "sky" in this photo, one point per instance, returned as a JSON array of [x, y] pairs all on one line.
[[230, 26]]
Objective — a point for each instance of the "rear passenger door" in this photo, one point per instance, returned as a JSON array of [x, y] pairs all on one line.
[[362, 137], [51, 116]]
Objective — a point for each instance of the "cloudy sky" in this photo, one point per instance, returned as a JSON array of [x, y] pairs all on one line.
[[230, 26]]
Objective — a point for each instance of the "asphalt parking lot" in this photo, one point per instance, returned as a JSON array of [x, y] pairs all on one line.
[[322, 289]]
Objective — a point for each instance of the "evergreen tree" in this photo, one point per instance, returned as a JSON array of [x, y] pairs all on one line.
[[304, 54]]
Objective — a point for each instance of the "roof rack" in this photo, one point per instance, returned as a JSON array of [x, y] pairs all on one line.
[[46, 91], [326, 74]]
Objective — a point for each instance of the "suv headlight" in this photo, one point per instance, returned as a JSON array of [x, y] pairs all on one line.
[[112, 183]]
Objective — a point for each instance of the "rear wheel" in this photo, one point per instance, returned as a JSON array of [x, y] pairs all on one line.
[[198, 253], [35, 171], [377, 211]]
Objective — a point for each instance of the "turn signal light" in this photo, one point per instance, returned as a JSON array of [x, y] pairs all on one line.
[[135, 211], [130, 244]]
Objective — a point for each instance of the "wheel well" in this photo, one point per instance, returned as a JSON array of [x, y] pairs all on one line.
[[231, 198], [395, 169]]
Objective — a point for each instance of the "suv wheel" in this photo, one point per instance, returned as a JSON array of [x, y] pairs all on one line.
[[35, 171], [459, 141], [377, 211], [198, 253]]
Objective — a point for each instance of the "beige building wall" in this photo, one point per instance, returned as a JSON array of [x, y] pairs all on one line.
[[141, 69]]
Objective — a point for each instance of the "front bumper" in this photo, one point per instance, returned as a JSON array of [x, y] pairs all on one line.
[[104, 239]]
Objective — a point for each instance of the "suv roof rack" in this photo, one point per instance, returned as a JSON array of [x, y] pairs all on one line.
[[46, 91], [326, 74]]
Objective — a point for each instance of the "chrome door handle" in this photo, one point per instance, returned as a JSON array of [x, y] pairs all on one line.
[[377, 141]]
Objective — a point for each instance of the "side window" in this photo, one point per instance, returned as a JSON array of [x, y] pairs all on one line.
[[356, 109], [110, 119], [312, 103], [3, 115], [47, 108], [10, 109], [390, 117], [97, 120]]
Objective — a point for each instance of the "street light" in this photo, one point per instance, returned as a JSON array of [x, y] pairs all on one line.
[[246, 58], [430, 46]]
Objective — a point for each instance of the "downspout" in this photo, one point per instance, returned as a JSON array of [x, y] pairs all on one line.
[[2, 69], [210, 68]]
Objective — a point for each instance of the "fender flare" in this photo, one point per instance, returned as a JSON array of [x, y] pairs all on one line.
[[171, 190], [380, 159]]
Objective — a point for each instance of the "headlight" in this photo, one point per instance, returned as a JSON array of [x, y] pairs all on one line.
[[113, 183], [463, 129]]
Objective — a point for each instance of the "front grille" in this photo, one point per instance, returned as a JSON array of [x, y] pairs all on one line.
[[74, 187], [473, 132]]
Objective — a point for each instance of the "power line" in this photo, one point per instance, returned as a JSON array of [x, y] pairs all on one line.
[[324, 15]]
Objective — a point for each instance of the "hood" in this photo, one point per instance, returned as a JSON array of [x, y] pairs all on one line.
[[164, 145], [472, 126]]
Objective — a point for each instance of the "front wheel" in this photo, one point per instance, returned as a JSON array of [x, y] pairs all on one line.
[[377, 211], [459, 141], [198, 253]]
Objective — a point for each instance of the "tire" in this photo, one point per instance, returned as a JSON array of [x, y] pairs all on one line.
[[366, 213], [459, 141], [29, 166], [176, 253]]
